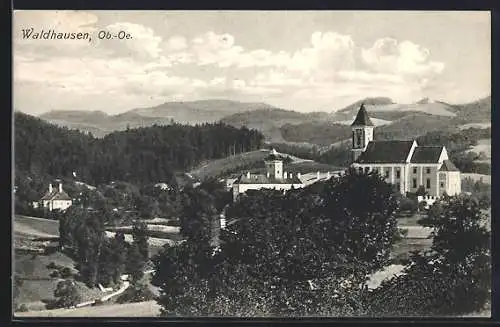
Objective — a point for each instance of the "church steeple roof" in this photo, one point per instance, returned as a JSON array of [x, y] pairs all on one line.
[[362, 118]]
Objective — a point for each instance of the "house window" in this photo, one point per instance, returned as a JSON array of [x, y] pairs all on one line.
[[414, 183], [386, 174], [414, 170], [398, 174], [428, 183], [427, 170], [398, 186]]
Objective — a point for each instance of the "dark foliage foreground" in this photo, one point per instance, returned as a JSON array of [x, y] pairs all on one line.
[[309, 252], [304, 253]]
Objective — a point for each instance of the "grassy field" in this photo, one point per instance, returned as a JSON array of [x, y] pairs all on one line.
[[38, 287], [141, 309], [37, 227], [483, 145], [230, 164]]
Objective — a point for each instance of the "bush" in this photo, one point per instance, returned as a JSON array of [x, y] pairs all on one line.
[[137, 293], [408, 205], [66, 294], [65, 272], [55, 274], [52, 265], [22, 308]]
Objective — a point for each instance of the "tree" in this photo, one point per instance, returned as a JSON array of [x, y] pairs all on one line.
[[454, 277], [140, 238], [66, 294], [119, 255], [136, 293], [135, 263], [331, 234], [197, 215]]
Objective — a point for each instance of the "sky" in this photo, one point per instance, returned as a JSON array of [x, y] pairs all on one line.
[[298, 60]]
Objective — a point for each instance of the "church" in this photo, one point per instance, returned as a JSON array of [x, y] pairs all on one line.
[[404, 163]]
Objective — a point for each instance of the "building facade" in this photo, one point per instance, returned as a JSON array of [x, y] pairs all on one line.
[[54, 199], [405, 164], [274, 178]]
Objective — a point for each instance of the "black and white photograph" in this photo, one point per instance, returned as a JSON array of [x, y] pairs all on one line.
[[251, 164]]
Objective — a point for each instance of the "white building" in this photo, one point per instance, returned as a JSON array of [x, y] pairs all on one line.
[[274, 178], [54, 199], [404, 163]]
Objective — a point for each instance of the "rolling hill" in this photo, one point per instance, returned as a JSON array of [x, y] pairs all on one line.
[[277, 124], [253, 161], [269, 121], [99, 123]]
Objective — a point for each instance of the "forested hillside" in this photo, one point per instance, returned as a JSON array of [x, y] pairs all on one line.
[[142, 155]]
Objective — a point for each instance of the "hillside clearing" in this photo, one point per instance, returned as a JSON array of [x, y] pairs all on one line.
[[230, 164], [36, 226], [483, 145], [38, 287], [140, 309], [475, 125]]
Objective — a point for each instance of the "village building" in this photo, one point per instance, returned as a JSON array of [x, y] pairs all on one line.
[[54, 199], [405, 164], [274, 178]]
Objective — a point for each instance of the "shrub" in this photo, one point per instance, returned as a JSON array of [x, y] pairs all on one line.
[[22, 308], [52, 265], [55, 274], [65, 272], [136, 293], [66, 294]]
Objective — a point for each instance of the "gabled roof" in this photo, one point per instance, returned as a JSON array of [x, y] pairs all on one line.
[[55, 195], [263, 179], [426, 154], [362, 118], [386, 152], [448, 166]]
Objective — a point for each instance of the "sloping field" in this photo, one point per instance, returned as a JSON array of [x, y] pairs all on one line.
[[230, 164], [140, 309], [483, 145], [433, 108], [37, 284], [475, 125], [37, 227]]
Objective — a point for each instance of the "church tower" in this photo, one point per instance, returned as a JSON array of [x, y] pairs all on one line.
[[274, 165], [362, 132]]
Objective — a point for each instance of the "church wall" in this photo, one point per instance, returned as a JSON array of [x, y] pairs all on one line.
[[454, 185], [242, 188]]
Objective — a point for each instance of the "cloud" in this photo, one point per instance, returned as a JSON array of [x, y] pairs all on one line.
[[143, 42], [405, 58], [166, 67], [176, 43]]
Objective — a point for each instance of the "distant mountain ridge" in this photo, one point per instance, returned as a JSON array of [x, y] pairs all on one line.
[[193, 112], [277, 124]]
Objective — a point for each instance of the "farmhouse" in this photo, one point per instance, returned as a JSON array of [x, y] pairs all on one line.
[[405, 164], [54, 199], [274, 178]]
